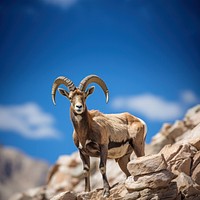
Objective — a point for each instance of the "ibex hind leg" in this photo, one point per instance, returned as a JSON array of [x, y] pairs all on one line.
[[123, 161], [137, 132]]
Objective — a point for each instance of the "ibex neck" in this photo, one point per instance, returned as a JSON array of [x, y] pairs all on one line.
[[81, 124]]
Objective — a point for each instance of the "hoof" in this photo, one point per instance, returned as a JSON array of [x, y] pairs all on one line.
[[106, 193]]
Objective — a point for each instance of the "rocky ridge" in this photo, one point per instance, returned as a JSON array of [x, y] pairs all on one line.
[[15, 172], [170, 170]]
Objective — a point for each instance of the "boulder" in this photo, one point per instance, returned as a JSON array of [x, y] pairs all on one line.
[[117, 192], [158, 141], [65, 196], [196, 174], [153, 180], [194, 138], [176, 130], [167, 193], [19, 172], [179, 157], [147, 164], [187, 186], [192, 116]]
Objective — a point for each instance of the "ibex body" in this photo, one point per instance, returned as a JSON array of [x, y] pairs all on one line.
[[101, 135]]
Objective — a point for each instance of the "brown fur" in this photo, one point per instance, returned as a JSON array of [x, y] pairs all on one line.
[[103, 128]]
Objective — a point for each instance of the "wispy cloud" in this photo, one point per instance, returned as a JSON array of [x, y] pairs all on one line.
[[61, 3], [189, 97], [28, 120], [154, 107]]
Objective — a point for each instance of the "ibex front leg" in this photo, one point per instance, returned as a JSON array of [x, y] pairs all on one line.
[[102, 167], [86, 167]]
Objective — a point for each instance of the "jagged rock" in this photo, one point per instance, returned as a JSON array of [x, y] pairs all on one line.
[[65, 196], [132, 196], [148, 172], [151, 180], [67, 168], [196, 174], [195, 170], [176, 130], [114, 176], [187, 186], [159, 140], [196, 160], [147, 164], [15, 166], [180, 130], [117, 192], [194, 137], [31, 194], [167, 193], [168, 135], [192, 117], [179, 157], [71, 168]]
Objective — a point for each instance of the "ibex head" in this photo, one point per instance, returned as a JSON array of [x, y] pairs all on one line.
[[78, 95]]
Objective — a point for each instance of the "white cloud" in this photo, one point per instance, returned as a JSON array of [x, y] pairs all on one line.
[[189, 97], [150, 106], [28, 120], [61, 3]]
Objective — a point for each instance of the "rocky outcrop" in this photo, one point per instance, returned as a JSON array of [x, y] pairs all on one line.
[[169, 171], [154, 175], [15, 173], [179, 131]]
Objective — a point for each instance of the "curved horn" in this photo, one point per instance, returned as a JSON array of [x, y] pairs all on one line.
[[93, 78], [61, 80]]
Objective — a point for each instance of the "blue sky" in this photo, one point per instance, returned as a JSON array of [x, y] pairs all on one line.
[[148, 53]]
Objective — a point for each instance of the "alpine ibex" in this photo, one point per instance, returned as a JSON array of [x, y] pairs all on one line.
[[101, 135]]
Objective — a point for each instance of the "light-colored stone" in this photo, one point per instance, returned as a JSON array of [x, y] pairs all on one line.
[[65, 196], [192, 117], [185, 166], [153, 180], [167, 193], [132, 196], [178, 157], [170, 151], [18, 196], [31, 194], [196, 174], [147, 164], [195, 171], [187, 186], [194, 138], [159, 141], [19, 172], [117, 192], [177, 129], [196, 160]]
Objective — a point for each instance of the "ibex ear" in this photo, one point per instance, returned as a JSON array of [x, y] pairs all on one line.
[[89, 91], [63, 92]]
